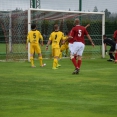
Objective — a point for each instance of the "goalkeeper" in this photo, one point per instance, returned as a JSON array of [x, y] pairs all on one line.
[[111, 43]]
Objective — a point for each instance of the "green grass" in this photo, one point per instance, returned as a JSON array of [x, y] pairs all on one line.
[[43, 92]]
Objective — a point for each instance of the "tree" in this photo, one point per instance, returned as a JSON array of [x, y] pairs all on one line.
[[95, 9], [107, 13]]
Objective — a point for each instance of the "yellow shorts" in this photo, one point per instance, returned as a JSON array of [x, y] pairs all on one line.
[[55, 52], [34, 47]]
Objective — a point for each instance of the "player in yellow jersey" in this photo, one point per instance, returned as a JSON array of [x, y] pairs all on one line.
[[55, 38], [33, 38], [64, 46]]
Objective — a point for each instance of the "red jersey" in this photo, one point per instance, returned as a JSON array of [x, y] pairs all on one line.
[[78, 32], [115, 36]]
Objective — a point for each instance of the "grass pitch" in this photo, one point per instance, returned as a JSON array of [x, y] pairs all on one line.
[[43, 92]]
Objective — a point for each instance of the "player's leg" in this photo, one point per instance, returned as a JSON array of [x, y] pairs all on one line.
[[116, 54], [61, 51], [41, 60], [31, 55], [38, 50], [54, 59], [66, 51], [79, 62], [74, 50], [111, 51], [79, 53], [56, 53]]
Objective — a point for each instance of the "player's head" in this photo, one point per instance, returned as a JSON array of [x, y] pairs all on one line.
[[56, 27], [33, 26], [104, 36], [77, 21]]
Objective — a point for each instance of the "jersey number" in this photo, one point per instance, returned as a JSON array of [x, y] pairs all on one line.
[[79, 33], [34, 36], [55, 37]]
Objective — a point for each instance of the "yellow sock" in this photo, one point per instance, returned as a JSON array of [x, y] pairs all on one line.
[[55, 62], [66, 52], [40, 60], [60, 55], [32, 61]]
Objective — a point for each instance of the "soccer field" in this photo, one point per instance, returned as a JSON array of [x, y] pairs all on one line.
[[43, 92]]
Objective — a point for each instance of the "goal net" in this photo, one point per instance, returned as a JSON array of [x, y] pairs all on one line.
[[45, 19], [16, 26]]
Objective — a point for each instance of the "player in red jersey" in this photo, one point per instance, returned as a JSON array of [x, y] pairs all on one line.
[[70, 41], [115, 38], [77, 36]]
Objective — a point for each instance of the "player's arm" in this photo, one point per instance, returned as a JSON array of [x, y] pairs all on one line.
[[41, 40], [88, 36], [69, 37], [27, 41], [87, 25], [105, 47], [48, 43]]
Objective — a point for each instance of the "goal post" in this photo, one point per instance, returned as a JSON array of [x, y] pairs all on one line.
[[103, 33], [49, 17], [29, 28]]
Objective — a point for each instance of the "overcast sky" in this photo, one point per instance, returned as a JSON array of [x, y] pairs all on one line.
[[87, 5]]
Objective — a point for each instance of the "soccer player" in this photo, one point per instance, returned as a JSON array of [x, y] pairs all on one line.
[[64, 46], [111, 43], [33, 38], [77, 35], [55, 38], [115, 38], [70, 41]]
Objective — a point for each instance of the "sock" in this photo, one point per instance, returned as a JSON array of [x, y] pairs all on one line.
[[66, 52], [75, 57], [115, 56], [60, 56], [32, 61], [74, 62], [40, 60], [111, 56], [55, 62], [79, 63]]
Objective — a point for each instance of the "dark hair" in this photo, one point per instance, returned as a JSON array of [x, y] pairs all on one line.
[[104, 36], [33, 26], [56, 26]]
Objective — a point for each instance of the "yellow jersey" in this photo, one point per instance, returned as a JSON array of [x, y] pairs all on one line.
[[56, 37], [34, 36]]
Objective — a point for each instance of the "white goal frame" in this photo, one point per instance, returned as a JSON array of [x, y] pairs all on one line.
[[62, 11]]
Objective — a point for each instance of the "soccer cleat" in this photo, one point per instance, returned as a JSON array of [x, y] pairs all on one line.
[[43, 65], [58, 65], [110, 60], [54, 68], [33, 66], [76, 71]]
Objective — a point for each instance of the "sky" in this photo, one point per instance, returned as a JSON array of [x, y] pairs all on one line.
[[87, 5]]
